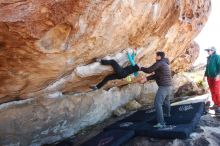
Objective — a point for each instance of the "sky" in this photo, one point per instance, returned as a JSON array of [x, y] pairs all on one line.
[[210, 34]]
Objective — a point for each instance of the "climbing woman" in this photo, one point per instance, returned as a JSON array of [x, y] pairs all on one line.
[[119, 72]]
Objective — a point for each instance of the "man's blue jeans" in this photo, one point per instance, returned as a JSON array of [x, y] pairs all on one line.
[[162, 101]]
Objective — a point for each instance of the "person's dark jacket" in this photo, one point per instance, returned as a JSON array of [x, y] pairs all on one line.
[[162, 72]]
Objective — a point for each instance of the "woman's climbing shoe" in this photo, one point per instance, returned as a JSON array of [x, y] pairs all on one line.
[[93, 88], [98, 60]]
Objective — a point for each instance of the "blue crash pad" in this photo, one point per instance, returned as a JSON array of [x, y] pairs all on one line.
[[141, 116], [125, 125], [110, 138], [181, 131], [181, 124]]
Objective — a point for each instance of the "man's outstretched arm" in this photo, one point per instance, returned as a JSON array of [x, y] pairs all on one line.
[[151, 69]]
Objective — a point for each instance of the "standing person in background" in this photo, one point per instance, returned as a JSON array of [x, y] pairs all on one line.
[[212, 73], [162, 75]]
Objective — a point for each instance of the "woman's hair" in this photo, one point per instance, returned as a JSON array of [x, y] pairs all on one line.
[[161, 54]]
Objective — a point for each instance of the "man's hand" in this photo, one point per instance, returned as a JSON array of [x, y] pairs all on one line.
[[142, 79]]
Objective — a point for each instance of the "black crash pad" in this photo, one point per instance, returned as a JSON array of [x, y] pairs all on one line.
[[110, 138], [125, 125], [170, 132], [180, 114], [183, 114], [141, 116], [181, 124]]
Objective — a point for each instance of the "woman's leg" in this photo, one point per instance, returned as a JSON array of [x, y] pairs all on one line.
[[117, 68], [106, 79]]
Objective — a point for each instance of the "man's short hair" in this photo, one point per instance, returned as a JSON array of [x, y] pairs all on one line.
[[161, 54]]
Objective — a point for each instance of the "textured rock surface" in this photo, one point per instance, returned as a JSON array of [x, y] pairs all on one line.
[[51, 118], [190, 83], [42, 42], [132, 105], [185, 61], [148, 93], [190, 89], [119, 112], [55, 116]]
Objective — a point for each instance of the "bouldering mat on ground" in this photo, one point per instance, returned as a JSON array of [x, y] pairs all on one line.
[[181, 131], [125, 125], [141, 116], [180, 114], [183, 114], [181, 123], [110, 138]]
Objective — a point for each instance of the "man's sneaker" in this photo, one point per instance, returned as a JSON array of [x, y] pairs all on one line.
[[213, 107], [93, 88], [158, 125]]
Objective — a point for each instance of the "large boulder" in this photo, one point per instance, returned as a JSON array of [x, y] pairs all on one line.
[[190, 83], [148, 92], [189, 89], [47, 53], [51, 118], [43, 42]]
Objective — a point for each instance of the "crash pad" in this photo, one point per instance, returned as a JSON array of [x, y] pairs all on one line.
[[141, 115], [180, 124], [125, 125], [110, 138]]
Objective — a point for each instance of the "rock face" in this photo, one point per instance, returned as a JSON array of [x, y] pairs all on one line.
[[188, 57], [47, 119], [43, 42], [190, 83], [54, 117], [47, 53], [189, 89]]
